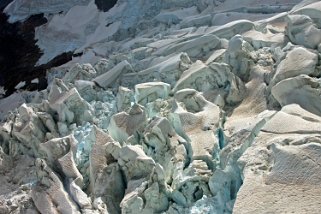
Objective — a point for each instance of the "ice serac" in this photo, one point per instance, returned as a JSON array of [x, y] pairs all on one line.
[[216, 76], [167, 70], [302, 31], [80, 72], [302, 90], [106, 179], [239, 56], [149, 92], [105, 80], [194, 47], [283, 165], [168, 107], [49, 194], [123, 124], [297, 61]]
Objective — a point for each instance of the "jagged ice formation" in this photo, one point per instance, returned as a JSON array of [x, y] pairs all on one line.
[[172, 107]]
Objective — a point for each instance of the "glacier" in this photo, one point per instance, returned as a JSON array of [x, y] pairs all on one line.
[[167, 107]]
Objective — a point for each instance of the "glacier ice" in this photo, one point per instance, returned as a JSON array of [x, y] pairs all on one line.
[[173, 107]]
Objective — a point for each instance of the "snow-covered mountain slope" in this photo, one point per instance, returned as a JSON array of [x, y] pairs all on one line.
[[173, 106]]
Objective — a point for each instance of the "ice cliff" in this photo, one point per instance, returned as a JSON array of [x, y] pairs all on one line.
[[167, 107]]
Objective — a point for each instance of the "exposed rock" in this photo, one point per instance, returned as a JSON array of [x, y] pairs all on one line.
[[105, 6]]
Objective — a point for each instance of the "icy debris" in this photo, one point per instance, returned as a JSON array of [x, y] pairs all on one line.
[[36, 81], [103, 65], [72, 108], [28, 129], [125, 99], [10, 103], [20, 85], [165, 113], [106, 179], [216, 76], [84, 143], [82, 72], [123, 125]]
